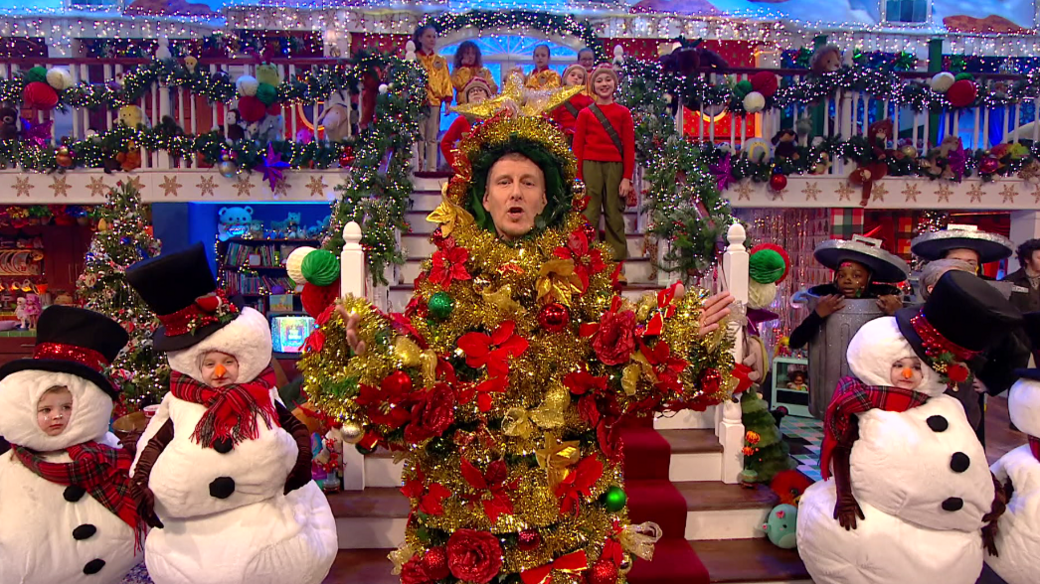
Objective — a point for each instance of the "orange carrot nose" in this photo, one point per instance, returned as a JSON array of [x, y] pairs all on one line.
[[219, 370], [908, 373]]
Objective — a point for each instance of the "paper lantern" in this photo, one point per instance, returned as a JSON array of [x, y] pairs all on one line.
[[316, 299], [247, 85], [754, 102], [59, 78], [765, 82], [942, 81], [40, 96], [294, 263], [962, 93], [251, 109]]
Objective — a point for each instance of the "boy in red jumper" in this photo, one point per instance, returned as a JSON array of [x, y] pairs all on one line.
[[476, 91], [566, 116], [604, 144]]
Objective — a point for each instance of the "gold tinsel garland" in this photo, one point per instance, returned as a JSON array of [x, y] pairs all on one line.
[[536, 409]]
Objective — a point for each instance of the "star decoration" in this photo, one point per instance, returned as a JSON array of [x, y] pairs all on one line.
[[272, 167], [879, 191], [60, 187], [97, 187], [1008, 193], [845, 191], [744, 191], [910, 191], [976, 193], [281, 188], [1036, 194], [810, 191], [135, 182], [37, 135], [208, 186], [317, 186], [170, 186], [943, 192], [243, 185], [22, 187]]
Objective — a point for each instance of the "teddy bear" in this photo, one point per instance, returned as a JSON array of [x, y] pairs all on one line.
[[880, 132], [288, 227], [8, 123], [826, 59], [129, 160], [785, 144], [235, 131], [233, 221], [132, 116]]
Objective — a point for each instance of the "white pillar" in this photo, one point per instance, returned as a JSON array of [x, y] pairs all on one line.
[[1024, 225], [352, 281]]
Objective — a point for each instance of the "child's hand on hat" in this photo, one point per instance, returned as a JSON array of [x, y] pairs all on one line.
[[830, 304]]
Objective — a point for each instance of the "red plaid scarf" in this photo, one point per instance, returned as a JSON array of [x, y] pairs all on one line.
[[101, 470], [231, 411], [1034, 445], [853, 397]]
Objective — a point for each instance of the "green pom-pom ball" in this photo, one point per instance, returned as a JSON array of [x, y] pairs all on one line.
[[766, 266], [320, 267], [614, 499], [440, 305], [962, 76], [36, 74], [267, 94], [743, 88]]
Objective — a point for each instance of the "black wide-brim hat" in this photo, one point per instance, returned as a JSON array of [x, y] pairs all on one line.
[[77, 341], [990, 246], [1031, 324], [170, 283], [883, 266], [965, 310]]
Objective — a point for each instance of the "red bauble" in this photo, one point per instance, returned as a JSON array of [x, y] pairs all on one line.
[[251, 109], [435, 563], [962, 93], [602, 572], [39, 95], [764, 82], [554, 317], [989, 165], [347, 158], [710, 380], [778, 182], [580, 204], [529, 540], [591, 233], [316, 299]]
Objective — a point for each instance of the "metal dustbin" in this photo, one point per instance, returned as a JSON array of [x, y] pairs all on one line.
[[827, 361]]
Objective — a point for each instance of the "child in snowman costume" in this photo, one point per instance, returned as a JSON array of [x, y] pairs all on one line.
[[67, 514], [911, 498], [223, 468], [1019, 472]]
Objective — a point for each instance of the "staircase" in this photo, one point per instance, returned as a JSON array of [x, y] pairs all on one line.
[[678, 473]]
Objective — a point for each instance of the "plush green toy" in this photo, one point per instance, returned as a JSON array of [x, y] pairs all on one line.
[[780, 526]]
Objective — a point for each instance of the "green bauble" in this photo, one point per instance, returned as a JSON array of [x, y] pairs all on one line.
[[614, 499], [440, 305], [320, 267]]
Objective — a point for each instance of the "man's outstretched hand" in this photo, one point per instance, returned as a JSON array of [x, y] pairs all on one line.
[[353, 336], [716, 308]]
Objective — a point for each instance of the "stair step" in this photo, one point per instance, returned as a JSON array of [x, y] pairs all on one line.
[[696, 455], [375, 517], [419, 224], [419, 246], [716, 510], [362, 567], [750, 561]]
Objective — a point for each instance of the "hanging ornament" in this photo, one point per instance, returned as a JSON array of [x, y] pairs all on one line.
[[441, 305], [63, 157], [710, 380], [227, 168], [529, 540], [351, 432], [347, 158], [591, 233], [626, 563], [554, 317], [435, 563], [602, 571], [614, 499], [909, 150], [989, 165], [778, 181]]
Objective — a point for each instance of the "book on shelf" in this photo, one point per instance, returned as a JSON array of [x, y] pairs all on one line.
[[239, 283], [259, 254]]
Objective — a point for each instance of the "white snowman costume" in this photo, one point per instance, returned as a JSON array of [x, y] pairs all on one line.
[[255, 534], [1018, 538], [919, 476], [49, 532]]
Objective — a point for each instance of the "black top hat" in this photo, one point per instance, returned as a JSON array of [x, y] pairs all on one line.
[[180, 289], [1032, 327], [963, 316], [77, 341]]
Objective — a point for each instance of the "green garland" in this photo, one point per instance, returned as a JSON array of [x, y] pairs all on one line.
[[553, 24]]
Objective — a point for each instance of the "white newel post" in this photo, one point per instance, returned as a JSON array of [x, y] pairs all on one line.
[[736, 266], [352, 281], [163, 158]]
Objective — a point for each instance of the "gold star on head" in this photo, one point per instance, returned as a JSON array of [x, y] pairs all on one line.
[[317, 186], [1008, 193], [97, 187], [22, 187], [208, 186], [170, 186], [243, 185], [60, 187]]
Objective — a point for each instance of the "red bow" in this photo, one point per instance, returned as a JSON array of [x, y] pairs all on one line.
[[493, 481], [579, 483], [741, 372], [479, 351], [570, 563]]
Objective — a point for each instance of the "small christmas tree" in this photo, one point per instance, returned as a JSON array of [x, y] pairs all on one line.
[[765, 452], [124, 237]]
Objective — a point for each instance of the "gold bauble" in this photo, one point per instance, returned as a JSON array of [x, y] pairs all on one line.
[[909, 151], [626, 564], [352, 433]]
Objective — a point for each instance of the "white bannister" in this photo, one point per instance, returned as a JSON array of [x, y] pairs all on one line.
[[352, 281], [730, 429]]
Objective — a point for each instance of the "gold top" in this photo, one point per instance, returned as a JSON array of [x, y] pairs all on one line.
[[518, 99], [548, 79], [438, 81], [462, 76]]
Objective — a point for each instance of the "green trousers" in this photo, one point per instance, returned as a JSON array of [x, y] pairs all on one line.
[[602, 181]]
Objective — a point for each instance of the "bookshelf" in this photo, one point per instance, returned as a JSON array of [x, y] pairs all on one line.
[[251, 268]]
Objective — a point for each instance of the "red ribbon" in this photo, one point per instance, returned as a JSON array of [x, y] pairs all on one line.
[[204, 311], [62, 352], [935, 342], [570, 563], [1034, 446], [741, 372]]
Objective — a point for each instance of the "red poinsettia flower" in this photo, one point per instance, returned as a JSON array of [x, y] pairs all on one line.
[[386, 404], [325, 315], [493, 482], [425, 500], [586, 262], [432, 414], [493, 350], [582, 381], [482, 391], [449, 265], [578, 484], [666, 366], [613, 338]]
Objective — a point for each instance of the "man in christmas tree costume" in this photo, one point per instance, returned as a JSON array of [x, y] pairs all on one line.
[[505, 382]]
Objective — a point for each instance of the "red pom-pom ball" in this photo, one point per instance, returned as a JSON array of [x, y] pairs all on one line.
[[962, 93], [274, 109], [251, 109], [765, 83], [39, 95], [602, 572], [316, 299]]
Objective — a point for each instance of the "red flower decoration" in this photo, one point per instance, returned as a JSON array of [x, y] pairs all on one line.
[[586, 262], [449, 265], [666, 366], [957, 372], [385, 404], [579, 484], [582, 381], [432, 414], [430, 500], [474, 556], [493, 350], [614, 340], [413, 572], [492, 481], [315, 341]]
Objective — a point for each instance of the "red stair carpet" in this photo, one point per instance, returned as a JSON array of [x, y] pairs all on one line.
[[652, 497]]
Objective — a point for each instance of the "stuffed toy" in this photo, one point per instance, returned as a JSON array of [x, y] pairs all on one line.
[[233, 221], [691, 58], [336, 117], [789, 485], [785, 144], [132, 116], [235, 131], [8, 123], [780, 526], [826, 59], [880, 133], [129, 160]]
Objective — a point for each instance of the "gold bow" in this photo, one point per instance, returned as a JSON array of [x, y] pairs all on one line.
[[549, 415], [400, 557], [557, 458], [640, 539], [411, 355], [557, 281], [503, 300], [630, 377], [449, 215]]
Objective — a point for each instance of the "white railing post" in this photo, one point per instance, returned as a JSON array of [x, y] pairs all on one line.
[[163, 159], [352, 281], [736, 266]]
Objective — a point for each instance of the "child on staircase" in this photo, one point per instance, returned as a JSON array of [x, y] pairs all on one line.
[[469, 64], [476, 91]]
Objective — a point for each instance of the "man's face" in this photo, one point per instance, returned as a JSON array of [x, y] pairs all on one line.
[[541, 57], [1034, 261], [965, 255], [587, 59], [603, 85], [515, 195]]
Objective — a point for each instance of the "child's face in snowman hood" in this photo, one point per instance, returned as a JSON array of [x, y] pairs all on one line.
[[875, 351], [24, 392], [247, 339]]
